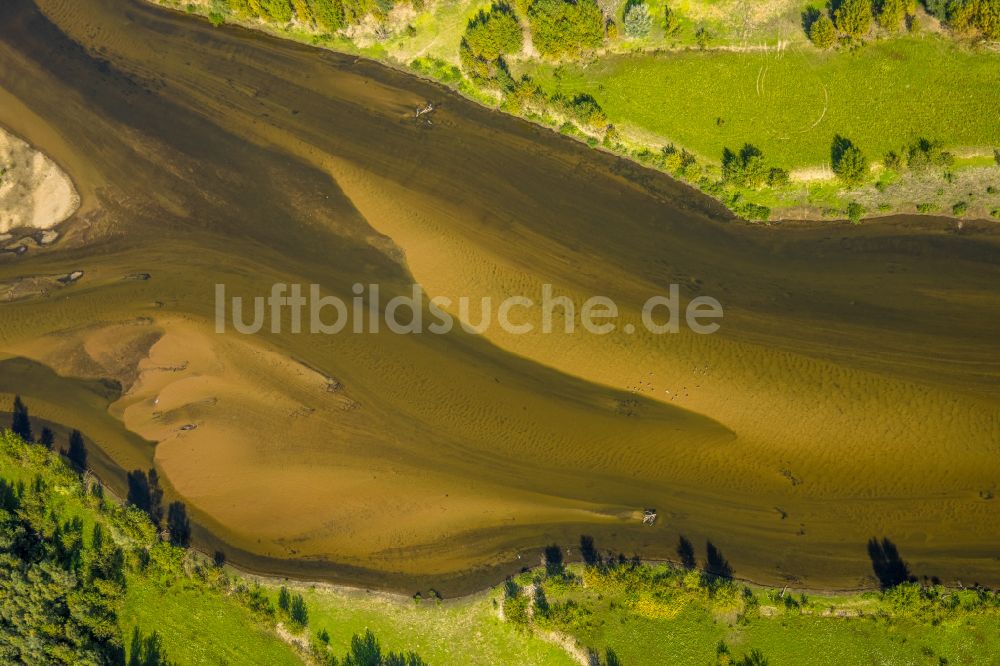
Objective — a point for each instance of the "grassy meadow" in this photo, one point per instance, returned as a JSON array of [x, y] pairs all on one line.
[[681, 619], [469, 630], [792, 103]]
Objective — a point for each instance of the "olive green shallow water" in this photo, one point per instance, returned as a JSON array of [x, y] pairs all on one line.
[[853, 389]]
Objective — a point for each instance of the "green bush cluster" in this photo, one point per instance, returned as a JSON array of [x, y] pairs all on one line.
[[822, 32], [494, 33], [981, 16], [365, 651], [437, 69], [62, 575], [853, 19], [920, 155], [563, 28], [329, 15], [849, 163], [855, 212], [746, 168], [489, 36]]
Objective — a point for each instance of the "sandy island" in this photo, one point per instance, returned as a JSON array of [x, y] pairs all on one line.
[[34, 191]]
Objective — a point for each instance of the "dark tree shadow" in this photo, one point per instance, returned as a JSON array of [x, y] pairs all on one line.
[[611, 658], [810, 16], [889, 567], [588, 552], [685, 551], [715, 563], [553, 560], [840, 145], [833, 5]]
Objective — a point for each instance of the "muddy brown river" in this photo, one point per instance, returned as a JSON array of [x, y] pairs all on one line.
[[853, 390]]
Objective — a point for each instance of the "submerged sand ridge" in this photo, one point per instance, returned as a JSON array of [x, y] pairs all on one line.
[[849, 393]]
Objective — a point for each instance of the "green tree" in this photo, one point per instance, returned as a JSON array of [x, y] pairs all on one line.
[[77, 452], [778, 177], [924, 153], [961, 14], [302, 11], [565, 27], [366, 651], [278, 10], [822, 32], [20, 422], [755, 658], [240, 8], [988, 19], [849, 163], [284, 599], [854, 18], [855, 212], [746, 168], [891, 14], [671, 22], [584, 109], [494, 33], [702, 37], [58, 594], [637, 20], [297, 611], [329, 14]]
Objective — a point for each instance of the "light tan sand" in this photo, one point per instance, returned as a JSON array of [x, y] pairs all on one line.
[[34, 191]]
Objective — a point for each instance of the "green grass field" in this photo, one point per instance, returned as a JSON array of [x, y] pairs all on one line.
[[463, 631], [200, 625], [679, 620], [791, 104]]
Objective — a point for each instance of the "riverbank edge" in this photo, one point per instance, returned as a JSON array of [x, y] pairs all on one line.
[[205, 542], [804, 213]]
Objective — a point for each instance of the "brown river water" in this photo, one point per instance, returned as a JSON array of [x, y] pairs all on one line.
[[853, 390]]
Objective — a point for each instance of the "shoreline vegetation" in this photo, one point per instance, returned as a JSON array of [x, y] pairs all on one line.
[[781, 110], [88, 571]]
